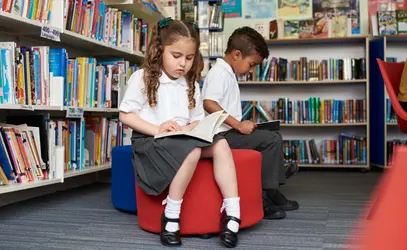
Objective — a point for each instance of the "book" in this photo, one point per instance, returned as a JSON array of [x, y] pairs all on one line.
[[269, 125], [205, 130]]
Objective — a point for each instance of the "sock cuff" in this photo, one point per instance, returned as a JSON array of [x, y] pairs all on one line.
[[169, 200], [229, 200]]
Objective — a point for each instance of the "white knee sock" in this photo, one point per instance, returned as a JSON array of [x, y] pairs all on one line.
[[232, 207], [172, 211]]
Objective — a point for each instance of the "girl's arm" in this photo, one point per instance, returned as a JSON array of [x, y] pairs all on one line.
[[135, 122]]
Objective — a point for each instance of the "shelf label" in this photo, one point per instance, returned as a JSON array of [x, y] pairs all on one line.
[[74, 113], [51, 33], [27, 107]]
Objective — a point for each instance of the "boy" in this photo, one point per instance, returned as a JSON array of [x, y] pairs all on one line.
[[246, 48]]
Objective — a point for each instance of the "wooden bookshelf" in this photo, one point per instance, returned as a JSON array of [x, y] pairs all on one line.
[[382, 131], [317, 49]]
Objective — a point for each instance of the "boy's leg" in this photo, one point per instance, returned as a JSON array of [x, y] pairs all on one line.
[[270, 145]]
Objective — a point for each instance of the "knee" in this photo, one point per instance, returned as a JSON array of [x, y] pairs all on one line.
[[274, 138], [221, 146]]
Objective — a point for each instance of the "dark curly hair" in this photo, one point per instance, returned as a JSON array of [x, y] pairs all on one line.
[[153, 61], [248, 41]]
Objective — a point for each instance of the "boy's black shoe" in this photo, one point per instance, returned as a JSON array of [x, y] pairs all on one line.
[[272, 212], [169, 238], [228, 237], [280, 201], [291, 169]]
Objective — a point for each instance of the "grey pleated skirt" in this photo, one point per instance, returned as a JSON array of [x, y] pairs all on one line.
[[157, 160]]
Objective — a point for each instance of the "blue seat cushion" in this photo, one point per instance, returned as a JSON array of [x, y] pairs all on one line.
[[123, 179]]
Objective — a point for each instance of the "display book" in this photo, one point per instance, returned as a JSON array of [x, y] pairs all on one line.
[[207, 127]]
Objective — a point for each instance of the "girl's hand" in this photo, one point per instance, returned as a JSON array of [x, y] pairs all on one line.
[[169, 126]]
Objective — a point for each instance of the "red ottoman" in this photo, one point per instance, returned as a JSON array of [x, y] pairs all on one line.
[[200, 211]]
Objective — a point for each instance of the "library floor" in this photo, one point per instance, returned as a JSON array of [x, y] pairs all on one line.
[[83, 218]]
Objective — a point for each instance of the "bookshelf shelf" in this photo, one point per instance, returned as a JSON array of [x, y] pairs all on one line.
[[382, 131], [87, 170], [24, 186], [137, 8], [324, 125], [53, 108], [331, 166], [302, 82], [326, 40]]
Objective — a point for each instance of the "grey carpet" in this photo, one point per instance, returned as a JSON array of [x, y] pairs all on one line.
[[83, 218]]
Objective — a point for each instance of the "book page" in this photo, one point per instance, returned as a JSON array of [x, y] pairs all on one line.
[[205, 128]]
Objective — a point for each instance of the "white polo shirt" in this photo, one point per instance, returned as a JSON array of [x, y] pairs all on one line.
[[172, 101], [222, 87]]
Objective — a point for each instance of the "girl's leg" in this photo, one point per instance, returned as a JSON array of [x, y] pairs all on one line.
[[174, 200], [225, 176]]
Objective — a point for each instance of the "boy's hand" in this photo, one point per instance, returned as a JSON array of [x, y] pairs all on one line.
[[246, 127], [169, 126]]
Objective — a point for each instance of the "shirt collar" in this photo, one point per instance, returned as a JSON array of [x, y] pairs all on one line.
[[165, 79], [226, 66]]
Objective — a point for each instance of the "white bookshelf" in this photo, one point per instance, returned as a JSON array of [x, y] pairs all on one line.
[[27, 32], [316, 49]]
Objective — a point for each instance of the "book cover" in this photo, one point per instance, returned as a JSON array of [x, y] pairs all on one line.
[[401, 17], [306, 28], [291, 28], [387, 22]]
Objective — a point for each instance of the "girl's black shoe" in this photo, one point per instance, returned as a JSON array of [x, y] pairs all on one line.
[[169, 238], [228, 237]]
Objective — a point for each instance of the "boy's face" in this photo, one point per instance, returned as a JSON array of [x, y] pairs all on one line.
[[244, 65]]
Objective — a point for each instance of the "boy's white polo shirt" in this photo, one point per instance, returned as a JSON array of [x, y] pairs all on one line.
[[222, 87]]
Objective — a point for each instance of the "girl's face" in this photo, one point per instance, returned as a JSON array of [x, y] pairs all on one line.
[[179, 57]]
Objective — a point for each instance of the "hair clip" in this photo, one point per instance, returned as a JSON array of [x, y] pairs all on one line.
[[164, 22], [194, 25]]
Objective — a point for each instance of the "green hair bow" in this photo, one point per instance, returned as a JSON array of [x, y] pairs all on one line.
[[194, 25], [164, 22]]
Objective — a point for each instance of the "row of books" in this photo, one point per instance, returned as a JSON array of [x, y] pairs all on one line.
[[39, 10], [211, 43], [110, 25], [37, 148], [304, 69], [391, 146], [209, 16], [46, 76], [346, 150], [311, 111]]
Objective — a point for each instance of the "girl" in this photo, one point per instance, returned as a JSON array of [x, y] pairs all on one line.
[[163, 97]]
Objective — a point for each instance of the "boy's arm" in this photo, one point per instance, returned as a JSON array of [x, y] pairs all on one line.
[[211, 106]]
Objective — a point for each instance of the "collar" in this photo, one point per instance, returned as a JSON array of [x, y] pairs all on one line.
[[226, 66], [165, 79]]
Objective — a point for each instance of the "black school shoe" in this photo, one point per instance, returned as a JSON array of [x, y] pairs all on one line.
[[226, 236], [281, 202], [169, 238], [271, 211]]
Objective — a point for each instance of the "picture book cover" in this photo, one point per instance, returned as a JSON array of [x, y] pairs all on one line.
[[291, 28], [401, 16], [306, 28], [387, 22]]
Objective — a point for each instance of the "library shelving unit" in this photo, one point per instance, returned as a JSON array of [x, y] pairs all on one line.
[[317, 49], [27, 32], [383, 129]]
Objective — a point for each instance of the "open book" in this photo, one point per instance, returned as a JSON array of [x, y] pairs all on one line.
[[205, 130]]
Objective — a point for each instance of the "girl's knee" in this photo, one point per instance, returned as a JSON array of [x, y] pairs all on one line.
[[222, 144]]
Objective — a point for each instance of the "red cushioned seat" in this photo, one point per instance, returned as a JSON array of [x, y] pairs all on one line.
[[200, 211]]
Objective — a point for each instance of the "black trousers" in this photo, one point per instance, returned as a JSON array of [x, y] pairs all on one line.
[[404, 105], [270, 145]]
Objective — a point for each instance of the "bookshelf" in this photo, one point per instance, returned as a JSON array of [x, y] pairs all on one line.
[[383, 130], [323, 132], [25, 32]]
